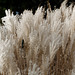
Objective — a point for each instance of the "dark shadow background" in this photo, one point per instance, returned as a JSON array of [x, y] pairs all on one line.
[[21, 5]]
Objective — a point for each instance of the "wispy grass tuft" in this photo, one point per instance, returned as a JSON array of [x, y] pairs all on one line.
[[32, 45]]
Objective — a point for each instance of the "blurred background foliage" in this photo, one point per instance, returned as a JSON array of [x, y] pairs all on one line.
[[21, 5]]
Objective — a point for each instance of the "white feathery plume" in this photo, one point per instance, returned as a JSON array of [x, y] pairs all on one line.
[[49, 43], [34, 70]]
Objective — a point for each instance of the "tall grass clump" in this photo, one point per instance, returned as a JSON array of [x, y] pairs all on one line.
[[32, 45]]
